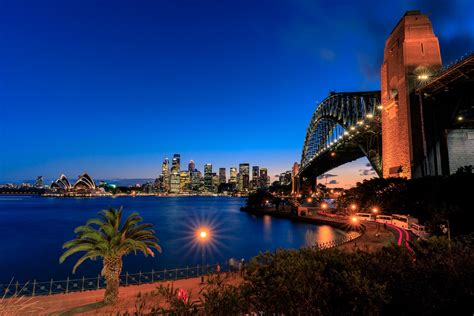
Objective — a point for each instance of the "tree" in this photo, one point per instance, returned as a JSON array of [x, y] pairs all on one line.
[[107, 238]]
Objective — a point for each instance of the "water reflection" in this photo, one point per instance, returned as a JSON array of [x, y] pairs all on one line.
[[321, 234], [267, 227]]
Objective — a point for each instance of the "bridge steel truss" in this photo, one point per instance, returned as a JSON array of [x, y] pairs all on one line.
[[345, 126]]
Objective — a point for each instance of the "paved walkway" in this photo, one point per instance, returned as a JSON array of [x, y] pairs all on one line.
[[90, 302]]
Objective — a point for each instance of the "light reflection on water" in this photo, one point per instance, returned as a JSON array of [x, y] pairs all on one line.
[[49, 222]]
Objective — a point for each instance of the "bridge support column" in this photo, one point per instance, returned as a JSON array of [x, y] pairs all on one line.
[[411, 52]]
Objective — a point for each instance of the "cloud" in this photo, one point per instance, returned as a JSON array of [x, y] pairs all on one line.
[[366, 172], [327, 175], [333, 182]]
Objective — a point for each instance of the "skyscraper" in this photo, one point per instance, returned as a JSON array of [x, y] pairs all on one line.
[[191, 166], [208, 177], [244, 176], [255, 177], [263, 178], [175, 184], [233, 175], [165, 173], [222, 176], [176, 164], [184, 181]]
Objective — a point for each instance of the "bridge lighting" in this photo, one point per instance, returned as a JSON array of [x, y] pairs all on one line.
[[460, 118]]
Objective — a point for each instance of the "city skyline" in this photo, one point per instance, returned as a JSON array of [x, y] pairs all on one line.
[[129, 75]]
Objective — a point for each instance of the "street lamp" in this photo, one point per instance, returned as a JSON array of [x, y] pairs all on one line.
[[324, 206], [353, 206], [203, 235], [354, 219]]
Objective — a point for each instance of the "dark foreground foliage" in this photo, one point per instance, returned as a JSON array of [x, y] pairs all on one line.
[[437, 280]]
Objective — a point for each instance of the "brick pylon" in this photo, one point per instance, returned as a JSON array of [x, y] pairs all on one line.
[[411, 54]]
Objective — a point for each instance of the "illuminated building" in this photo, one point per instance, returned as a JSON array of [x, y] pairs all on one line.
[[233, 175], [222, 176], [255, 177], [208, 177], [62, 183], [191, 166], [244, 176], [84, 182], [185, 181], [165, 173], [264, 179], [175, 183]]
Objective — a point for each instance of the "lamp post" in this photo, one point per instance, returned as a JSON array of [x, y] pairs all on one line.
[[203, 237]]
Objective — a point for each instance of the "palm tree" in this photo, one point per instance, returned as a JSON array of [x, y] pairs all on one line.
[[106, 238]]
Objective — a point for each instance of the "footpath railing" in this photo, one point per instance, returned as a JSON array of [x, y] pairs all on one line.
[[52, 286], [349, 236]]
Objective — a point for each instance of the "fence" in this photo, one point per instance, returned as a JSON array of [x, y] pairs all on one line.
[[349, 236], [85, 284]]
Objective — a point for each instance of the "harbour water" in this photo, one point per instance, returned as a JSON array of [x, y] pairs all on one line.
[[33, 230]]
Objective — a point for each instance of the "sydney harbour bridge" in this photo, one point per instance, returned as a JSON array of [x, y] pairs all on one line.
[[420, 123]]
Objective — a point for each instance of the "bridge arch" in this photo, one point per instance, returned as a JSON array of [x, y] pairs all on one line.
[[346, 125]]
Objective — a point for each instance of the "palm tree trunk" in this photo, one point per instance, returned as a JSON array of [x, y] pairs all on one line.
[[111, 272]]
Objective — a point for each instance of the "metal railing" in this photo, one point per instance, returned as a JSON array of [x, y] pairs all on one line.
[[69, 285], [349, 236]]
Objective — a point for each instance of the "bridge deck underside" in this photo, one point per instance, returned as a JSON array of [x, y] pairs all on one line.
[[326, 162]]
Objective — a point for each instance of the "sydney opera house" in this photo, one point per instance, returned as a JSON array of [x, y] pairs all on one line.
[[84, 185]]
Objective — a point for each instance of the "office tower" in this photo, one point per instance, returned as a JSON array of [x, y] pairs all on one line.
[[215, 182], [222, 177], [264, 179], [208, 177], [176, 164], [233, 175], [196, 180], [175, 183], [185, 181], [254, 183], [244, 176], [165, 172], [191, 166]]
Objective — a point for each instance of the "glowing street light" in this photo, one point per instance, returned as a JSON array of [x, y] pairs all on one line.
[[423, 77], [353, 128], [309, 200], [354, 219], [369, 116], [324, 206], [203, 236], [375, 210], [333, 154], [460, 118], [353, 206]]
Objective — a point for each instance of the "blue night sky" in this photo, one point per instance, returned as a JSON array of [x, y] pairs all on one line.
[[113, 87]]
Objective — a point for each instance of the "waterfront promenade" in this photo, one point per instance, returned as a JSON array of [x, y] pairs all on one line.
[[374, 237], [91, 302]]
